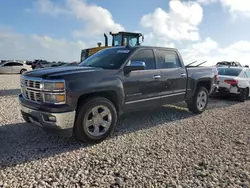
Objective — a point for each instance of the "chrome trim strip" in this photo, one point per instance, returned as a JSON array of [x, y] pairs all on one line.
[[152, 98], [32, 88], [47, 90]]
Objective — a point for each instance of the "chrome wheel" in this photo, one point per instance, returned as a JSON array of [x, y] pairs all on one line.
[[98, 120], [201, 100]]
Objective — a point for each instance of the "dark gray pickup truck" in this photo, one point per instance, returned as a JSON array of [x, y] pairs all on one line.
[[86, 100]]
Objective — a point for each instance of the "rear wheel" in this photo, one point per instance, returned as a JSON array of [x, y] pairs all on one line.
[[23, 71], [95, 120], [199, 102], [243, 95]]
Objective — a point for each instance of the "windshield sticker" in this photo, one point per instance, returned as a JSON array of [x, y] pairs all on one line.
[[123, 51]]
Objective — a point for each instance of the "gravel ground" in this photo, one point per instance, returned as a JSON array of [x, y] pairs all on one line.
[[165, 147]]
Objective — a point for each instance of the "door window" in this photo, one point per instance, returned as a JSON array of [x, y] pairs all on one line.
[[12, 64], [7, 65], [146, 56], [167, 59], [16, 64]]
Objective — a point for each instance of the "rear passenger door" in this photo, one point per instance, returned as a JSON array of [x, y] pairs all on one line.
[[142, 87], [173, 75]]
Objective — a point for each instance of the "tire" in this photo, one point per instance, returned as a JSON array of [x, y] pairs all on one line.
[[243, 95], [85, 112], [193, 105], [22, 71]]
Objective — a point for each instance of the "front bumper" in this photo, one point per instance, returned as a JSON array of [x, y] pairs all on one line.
[[56, 122]]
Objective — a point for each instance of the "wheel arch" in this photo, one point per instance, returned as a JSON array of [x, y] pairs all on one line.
[[110, 95]]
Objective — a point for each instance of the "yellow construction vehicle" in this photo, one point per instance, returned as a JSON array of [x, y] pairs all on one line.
[[118, 39]]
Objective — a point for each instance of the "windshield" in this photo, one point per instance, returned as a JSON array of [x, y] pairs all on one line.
[[117, 40], [229, 71], [131, 40], [110, 58]]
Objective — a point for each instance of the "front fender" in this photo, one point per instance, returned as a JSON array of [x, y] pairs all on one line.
[[93, 88]]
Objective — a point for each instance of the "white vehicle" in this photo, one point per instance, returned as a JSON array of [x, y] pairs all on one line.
[[14, 67], [234, 81]]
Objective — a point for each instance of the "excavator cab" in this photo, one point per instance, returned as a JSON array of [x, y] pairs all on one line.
[[126, 38], [118, 39]]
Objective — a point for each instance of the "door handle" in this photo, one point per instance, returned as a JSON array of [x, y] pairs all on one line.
[[156, 76], [183, 74]]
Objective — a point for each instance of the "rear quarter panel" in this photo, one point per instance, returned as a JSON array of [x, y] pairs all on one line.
[[243, 82], [199, 74]]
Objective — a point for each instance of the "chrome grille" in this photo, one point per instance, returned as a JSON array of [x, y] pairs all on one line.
[[33, 95], [32, 84], [31, 89]]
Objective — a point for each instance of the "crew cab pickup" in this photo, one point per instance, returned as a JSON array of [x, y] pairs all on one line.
[[85, 101]]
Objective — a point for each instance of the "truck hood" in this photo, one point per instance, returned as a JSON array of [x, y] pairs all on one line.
[[59, 71]]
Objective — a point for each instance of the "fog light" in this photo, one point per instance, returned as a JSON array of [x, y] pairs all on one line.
[[49, 118], [52, 118]]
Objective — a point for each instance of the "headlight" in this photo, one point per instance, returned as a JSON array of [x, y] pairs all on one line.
[[55, 98], [54, 86], [54, 91]]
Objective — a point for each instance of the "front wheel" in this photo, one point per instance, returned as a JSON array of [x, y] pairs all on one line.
[[95, 120], [199, 102]]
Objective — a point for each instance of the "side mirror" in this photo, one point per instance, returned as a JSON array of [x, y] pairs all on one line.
[[134, 65]]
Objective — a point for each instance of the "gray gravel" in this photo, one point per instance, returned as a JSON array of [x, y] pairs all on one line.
[[165, 147]]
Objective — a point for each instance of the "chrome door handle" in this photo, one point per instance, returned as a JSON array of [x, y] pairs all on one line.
[[156, 76], [183, 74]]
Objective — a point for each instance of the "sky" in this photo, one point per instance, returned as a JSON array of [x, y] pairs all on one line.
[[57, 30]]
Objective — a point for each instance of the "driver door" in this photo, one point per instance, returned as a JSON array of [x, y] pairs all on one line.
[[142, 87]]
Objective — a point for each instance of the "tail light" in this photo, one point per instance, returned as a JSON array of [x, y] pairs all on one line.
[[231, 82]]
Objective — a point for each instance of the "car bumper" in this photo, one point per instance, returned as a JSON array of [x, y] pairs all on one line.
[[228, 91], [61, 123]]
